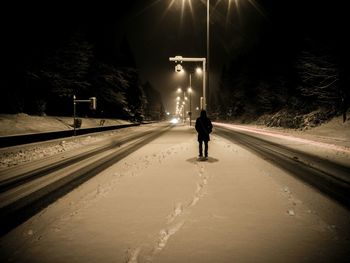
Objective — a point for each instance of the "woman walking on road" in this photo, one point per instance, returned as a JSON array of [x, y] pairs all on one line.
[[204, 128]]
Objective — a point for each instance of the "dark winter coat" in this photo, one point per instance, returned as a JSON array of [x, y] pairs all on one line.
[[203, 127]]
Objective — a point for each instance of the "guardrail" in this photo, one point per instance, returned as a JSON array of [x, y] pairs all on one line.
[[12, 140]]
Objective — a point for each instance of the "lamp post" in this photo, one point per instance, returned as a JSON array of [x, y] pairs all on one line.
[[184, 111], [189, 90], [206, 65], [208, 54], [177, 112], [179, 90], [180, 59]]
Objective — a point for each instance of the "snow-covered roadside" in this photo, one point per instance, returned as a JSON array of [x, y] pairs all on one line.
[[334, 132], [333, 149], [11, 124], [13, 156], [161, 205], [331, 140]]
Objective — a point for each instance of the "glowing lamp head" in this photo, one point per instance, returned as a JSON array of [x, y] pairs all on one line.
[[199, 70]]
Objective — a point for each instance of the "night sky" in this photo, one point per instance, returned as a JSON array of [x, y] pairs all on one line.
[[157, 29], [162, 30]]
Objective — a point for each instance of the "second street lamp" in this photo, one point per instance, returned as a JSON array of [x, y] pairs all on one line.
[[179, 90], [189, 90], [177, 59]]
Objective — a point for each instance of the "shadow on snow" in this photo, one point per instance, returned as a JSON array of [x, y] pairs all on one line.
[[196, 159]]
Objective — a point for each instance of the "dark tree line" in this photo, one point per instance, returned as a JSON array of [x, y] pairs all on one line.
[[300, 66], [79, 55], [154, 109]]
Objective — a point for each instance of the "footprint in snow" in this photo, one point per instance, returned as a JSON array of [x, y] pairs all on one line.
[[205, 181], [194, 201], [165, 234], [291, 212], [178, 209], [133, 255], [199, 188]]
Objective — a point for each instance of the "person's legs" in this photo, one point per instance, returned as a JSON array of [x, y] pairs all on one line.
[[206, 148], [200, 148]]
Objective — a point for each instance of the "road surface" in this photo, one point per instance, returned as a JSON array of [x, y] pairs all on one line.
[[160, 204]]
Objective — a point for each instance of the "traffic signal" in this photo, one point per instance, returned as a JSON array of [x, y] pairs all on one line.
[[93, 103]]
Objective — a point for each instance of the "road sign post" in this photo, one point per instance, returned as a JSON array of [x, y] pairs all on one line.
[[93, 106]]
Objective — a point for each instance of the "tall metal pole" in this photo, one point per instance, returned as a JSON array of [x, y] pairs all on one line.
[[190, 91], [74, 114], [184, 107], [184, 110], [204, 86], [208, 52]]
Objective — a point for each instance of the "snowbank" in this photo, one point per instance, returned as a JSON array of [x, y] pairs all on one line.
[[333, 132], [22, 123]]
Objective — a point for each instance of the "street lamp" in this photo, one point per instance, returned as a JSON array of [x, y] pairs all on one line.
[[206, 65], [184, 111], [208, 52], [189, 90], [202, 101], [198, 70], [179, 90], [181, 59]]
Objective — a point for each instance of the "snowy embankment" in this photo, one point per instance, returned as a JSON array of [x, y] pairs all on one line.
[[334, 147], [13, 124], [334, 131], [24, 124], [160, 204]]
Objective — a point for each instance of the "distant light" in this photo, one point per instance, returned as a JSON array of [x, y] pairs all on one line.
[[189, 89], [179, 90], [174, 120], [167, 113], [199, 70]]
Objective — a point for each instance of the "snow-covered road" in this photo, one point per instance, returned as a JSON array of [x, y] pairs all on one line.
[[160, 204]]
